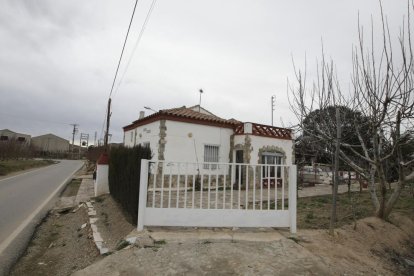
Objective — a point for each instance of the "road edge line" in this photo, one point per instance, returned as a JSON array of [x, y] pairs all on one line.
[[35, 170], [23, 225]]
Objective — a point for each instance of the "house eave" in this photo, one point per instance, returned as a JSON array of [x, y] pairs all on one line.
[[159, 116]]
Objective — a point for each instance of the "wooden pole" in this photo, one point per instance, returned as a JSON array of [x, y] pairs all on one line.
[[108, 118]]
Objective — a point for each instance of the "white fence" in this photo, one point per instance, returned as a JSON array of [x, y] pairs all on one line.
[[223, 195]]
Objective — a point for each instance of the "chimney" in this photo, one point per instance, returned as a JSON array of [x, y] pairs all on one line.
[[141, 114]]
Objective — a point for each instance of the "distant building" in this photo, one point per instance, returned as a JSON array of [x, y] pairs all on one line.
[[50, 143], [6, 135]]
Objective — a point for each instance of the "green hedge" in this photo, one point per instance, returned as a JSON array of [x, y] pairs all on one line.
[[124, 176]]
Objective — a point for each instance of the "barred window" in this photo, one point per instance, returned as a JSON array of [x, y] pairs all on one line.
[[271, 159], [211, 154]]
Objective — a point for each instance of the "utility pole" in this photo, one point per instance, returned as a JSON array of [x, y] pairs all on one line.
[[108, 117], [75, 129], [272, 105], [94, 141], [199, 103]]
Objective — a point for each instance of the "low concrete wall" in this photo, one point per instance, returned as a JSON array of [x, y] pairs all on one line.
[[101, 182]]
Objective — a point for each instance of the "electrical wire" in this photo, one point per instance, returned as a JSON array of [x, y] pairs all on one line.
[[123, 48], [119, 63], [136, 43]]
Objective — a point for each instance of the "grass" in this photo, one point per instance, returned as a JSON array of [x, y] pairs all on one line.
[[314, 212], [9, 166]]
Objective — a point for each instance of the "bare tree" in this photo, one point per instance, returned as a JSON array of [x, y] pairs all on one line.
[[382, 104]]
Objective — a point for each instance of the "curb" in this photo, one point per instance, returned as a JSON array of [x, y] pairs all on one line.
[[97, 238]]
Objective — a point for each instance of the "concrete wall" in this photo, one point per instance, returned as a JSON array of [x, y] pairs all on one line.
[[101, 182]]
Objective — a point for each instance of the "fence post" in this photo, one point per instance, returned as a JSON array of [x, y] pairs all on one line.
[[292, 198], [143, 186]]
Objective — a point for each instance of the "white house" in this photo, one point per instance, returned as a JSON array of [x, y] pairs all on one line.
[[193, 134]]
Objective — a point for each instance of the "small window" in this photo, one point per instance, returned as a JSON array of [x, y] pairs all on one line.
[[4, 138], [211, 154], [132, 136], [146, 144], [271, 159], [21, 139]]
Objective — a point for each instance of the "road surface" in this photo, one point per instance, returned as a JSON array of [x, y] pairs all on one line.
[[24, 200]]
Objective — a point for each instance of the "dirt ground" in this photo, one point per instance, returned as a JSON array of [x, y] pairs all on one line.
[[59, 246], [376, 247], [112, 223]]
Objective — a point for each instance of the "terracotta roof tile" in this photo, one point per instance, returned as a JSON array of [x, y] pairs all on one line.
[[187, 114], [191, 114]]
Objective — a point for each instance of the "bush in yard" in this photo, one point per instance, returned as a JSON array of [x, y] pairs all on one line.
[[124, 176]]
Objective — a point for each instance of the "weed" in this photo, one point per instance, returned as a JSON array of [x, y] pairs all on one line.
[[122, 244], [310, 215], [160, 242], [322, 200], [293, 238]]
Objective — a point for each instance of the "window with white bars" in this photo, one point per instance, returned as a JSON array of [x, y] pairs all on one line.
[[271, 159], [211, 154]]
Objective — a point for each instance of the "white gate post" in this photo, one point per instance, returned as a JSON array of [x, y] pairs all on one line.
[[143, 186], [292, 198]]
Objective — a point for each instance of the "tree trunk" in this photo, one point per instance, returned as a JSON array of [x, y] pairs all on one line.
[[336, 178]]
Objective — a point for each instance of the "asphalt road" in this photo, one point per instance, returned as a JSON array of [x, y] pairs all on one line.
[[24, 200]]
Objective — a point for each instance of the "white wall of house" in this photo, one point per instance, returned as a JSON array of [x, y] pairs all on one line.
[[258, 142], [148, 133], [186, 142]]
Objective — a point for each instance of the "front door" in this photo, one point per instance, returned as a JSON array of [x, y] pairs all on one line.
[[239, 168]]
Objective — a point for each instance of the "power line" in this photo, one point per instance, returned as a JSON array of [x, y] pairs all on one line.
[[123, 47], [136, 43], [117, 68]]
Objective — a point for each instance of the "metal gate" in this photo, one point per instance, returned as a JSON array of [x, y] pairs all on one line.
[[217, 195]]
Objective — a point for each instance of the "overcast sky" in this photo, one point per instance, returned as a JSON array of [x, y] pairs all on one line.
[[58, 58]]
